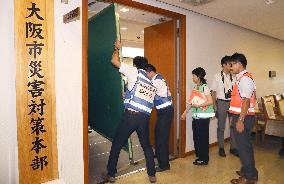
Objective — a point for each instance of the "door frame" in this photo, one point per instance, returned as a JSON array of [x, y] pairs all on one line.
[[182, 74]]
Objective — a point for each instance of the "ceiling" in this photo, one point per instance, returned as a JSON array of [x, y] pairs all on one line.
[[134, 20], [133, 14], [133, 36], [255, 15]]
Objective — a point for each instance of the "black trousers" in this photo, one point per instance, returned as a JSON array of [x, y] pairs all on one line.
[[162, 133], [200, 129], [245, 146], [128, 124]]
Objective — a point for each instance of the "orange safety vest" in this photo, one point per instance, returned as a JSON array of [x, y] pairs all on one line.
[[236, 99]]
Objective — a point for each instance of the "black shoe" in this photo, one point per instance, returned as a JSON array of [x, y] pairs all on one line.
[[108, 178], [158, 169], [281, 152], [222, 152], [240, 174], [234, 152], [195, 161], [152, 179], [200, 162]]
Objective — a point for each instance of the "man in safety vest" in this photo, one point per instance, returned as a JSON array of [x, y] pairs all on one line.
[[165, 113], [242, 108], [138, 104]]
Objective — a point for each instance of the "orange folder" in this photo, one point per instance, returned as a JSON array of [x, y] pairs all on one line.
[[197, 98]]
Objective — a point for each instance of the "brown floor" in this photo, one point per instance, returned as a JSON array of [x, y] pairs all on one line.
[[99, 148], [220, 170]]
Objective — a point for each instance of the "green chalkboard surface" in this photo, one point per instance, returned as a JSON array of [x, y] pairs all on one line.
[[105, 103]]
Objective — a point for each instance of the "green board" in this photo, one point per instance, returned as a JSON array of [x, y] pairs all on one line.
[[105, 102]]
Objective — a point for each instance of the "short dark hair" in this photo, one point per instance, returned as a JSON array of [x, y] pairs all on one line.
[[150, 68], [200, 73], [241, 58], [225, 60], [140, 62]]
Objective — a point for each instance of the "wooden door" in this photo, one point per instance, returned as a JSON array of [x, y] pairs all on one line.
[[160, 49]]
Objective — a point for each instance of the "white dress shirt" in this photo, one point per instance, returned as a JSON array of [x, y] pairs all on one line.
[[246, 85], [218, 86], [131, 73], [162, 88]]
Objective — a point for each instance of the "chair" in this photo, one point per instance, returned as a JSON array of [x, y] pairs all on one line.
[[281, 107], [281, 113], [268, 98], [277, 97], [270, 111], [260, 125]]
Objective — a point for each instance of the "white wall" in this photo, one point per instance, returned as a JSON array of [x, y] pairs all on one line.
[[208, 40], [211, 39], [8, 124], [68, 79]]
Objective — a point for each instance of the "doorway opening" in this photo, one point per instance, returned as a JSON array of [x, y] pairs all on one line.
[[159, 37]]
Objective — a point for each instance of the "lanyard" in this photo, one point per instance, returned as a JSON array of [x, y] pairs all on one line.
[[223, 79]]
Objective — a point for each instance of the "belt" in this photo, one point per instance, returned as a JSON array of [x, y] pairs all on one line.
[[224, 100], [132, 112]]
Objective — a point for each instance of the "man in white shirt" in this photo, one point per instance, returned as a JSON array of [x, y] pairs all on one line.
[[165, 114], [138, 104], [221, 92]]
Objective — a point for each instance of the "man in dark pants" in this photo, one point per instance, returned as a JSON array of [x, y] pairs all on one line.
[[242, 108], [165, 113], [221, 93], [138, 103]]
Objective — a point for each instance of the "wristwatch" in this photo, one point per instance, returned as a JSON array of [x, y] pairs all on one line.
[[241, 119]]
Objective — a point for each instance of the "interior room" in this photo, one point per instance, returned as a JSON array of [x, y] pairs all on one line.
[[61, 101], [131, 22]]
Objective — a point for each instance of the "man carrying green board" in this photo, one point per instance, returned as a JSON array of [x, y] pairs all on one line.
[[138, 104]]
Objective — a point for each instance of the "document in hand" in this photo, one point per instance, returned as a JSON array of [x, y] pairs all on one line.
[[197, 98]]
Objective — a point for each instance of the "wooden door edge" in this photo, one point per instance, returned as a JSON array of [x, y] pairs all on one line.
[[85, 89]]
